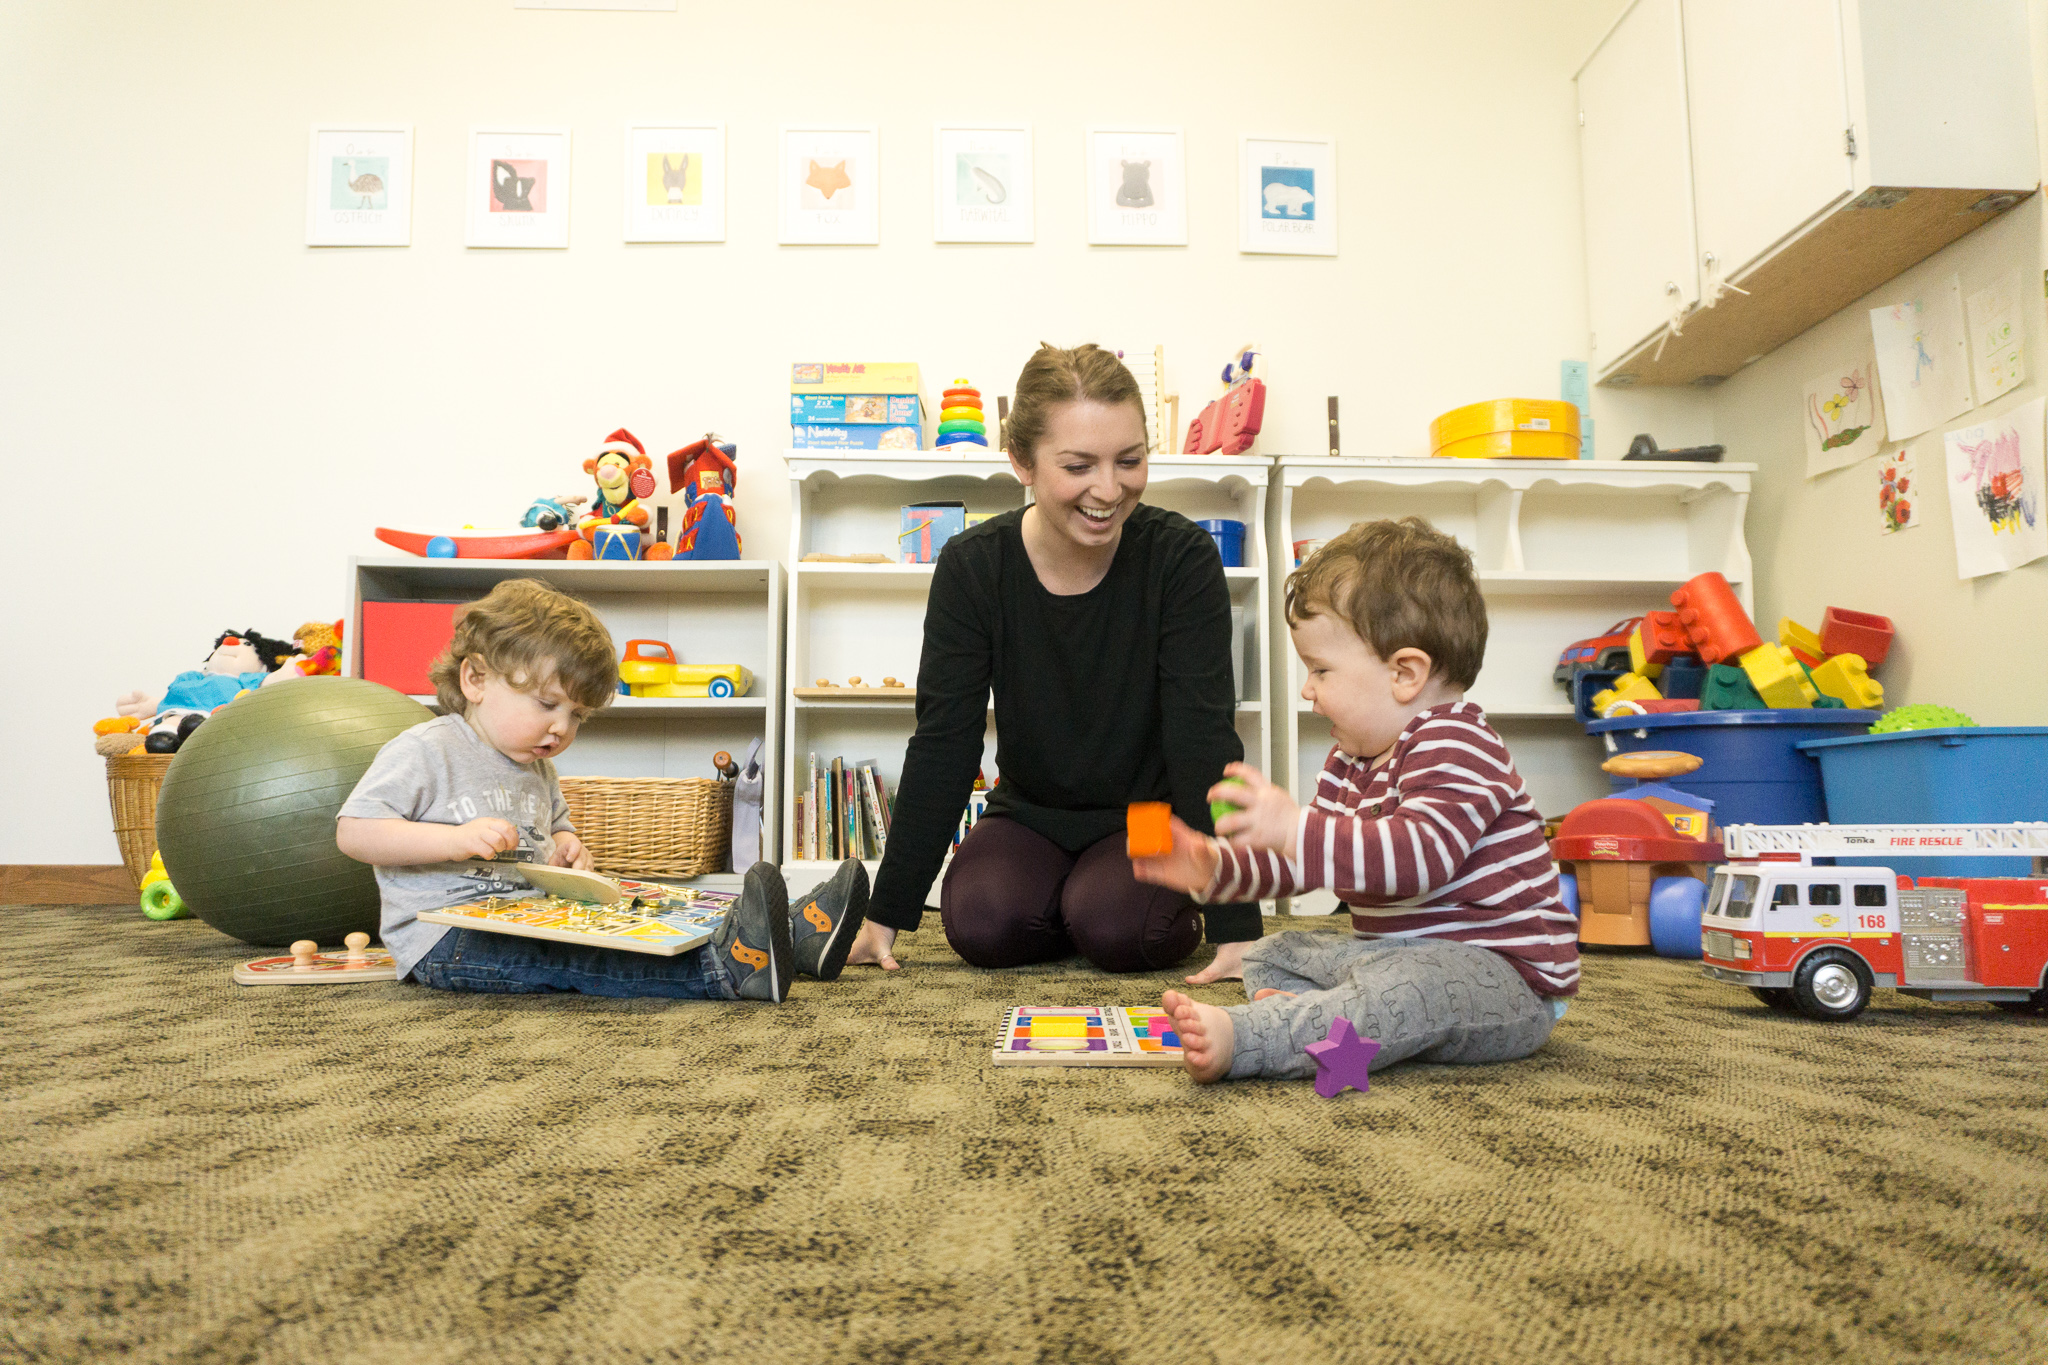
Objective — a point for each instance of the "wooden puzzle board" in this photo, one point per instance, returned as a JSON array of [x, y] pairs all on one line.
[[1087, 1035], [326, 969], [659, 919]]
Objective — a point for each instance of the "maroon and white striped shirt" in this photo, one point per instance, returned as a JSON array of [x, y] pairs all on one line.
[[1439, 841]]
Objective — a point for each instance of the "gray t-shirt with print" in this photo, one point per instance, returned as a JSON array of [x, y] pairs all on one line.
[[442, 772]]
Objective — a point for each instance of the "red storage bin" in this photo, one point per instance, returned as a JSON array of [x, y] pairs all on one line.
[[401, 640]]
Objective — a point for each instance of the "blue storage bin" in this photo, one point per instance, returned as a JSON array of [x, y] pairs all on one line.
[[1229, 537], [1751, 765], [1989, 774]]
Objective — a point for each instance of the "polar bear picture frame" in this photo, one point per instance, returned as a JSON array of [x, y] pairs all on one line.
[[1287, 196]]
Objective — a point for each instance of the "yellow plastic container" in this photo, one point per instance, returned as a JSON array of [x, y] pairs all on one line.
[[1507, 429]]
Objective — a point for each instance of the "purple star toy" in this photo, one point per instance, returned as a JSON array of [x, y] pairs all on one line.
[[1342, 1059]]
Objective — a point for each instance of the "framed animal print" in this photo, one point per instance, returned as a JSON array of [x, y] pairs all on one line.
[[675, 183], [359, 187], [1137, 187], [1287, 196], [982, 185], [829, 187], [518, 187]]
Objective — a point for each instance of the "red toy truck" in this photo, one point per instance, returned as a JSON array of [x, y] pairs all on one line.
[[1819, 939]]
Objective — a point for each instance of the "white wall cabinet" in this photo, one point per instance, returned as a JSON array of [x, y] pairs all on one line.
[[1804, 151], [710, 613], [1564, 549], [867, 620]]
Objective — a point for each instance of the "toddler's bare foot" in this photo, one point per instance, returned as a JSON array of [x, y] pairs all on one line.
[[1261, 995], [1206, 1036]]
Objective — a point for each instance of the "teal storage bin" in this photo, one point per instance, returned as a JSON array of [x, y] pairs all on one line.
[[1968, 775]]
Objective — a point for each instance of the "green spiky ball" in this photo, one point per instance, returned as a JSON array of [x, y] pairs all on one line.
[[1921, 716]]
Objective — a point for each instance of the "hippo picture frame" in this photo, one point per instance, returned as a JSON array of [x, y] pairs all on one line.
[[1137, 187], [1287, 196]]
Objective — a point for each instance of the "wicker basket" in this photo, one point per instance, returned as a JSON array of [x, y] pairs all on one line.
[[671, 826], [133, 781]]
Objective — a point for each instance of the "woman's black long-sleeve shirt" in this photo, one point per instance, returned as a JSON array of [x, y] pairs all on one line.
[[1119, 694]]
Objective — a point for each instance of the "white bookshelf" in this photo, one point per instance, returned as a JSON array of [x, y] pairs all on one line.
[[725, 612], [1564, 549], [867, 620]]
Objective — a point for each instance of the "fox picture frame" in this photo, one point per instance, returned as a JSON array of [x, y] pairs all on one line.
[[828, 186]]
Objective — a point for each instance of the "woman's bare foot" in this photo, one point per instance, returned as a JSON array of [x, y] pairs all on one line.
[[1270, 991], [1228, 966], [1206, 1036]]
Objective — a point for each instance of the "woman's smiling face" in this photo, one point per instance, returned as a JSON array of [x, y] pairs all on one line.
[[1088, 471]]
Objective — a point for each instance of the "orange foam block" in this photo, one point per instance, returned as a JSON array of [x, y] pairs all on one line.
[[1149, 827]]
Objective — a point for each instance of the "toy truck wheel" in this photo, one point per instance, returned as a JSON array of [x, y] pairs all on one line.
[[1778, 998], [1675, 905], [721, 687], [1831, 984]]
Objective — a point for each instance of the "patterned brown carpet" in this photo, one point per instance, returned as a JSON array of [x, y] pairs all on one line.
[[193, 1171]]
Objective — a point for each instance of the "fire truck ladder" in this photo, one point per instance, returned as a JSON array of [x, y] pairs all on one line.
[[2029, 839]]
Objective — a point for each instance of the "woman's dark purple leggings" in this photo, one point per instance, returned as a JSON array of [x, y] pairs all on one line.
[[1014, 897]]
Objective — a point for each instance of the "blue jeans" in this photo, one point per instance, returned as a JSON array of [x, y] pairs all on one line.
[[504, 964]]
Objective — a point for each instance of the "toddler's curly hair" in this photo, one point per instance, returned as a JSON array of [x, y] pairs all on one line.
[[527, 632]]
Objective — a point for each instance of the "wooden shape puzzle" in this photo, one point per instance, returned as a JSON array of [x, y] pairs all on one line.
[[1087, 1035], [648, 917], [306, 965]]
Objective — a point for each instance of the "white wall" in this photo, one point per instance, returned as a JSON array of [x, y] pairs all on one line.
[[1978, 645], [201, 418]]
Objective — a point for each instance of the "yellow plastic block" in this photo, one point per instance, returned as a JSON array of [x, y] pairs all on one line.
[[1845, 676], [1799, 639], [1778, 678], [1627, 687], [1638, 656]]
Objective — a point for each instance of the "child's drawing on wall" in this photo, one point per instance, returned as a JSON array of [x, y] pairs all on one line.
[[1994, 484], [1844, 422]]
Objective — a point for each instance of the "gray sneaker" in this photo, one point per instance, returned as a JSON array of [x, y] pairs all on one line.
[[825, 922], [753, 943]]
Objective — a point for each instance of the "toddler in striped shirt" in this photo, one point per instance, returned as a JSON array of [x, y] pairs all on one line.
[[1461, 950]]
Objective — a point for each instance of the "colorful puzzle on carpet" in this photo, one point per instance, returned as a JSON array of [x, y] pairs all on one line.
[[658, 918], [1087, 1035]]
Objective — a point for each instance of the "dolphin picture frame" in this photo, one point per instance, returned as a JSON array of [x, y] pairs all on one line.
[[983, 184], [517, 188], [359, 186], [1137, 187], [828, 186], [675, 182], [1287, 196]]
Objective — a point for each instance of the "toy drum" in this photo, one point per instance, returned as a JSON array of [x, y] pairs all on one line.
[[620, 540]]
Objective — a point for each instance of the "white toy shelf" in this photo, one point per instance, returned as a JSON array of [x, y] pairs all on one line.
[[867, 620], [1564, 549], [727, 612]]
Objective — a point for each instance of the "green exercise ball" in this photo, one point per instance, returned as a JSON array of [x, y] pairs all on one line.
[[245, 821]]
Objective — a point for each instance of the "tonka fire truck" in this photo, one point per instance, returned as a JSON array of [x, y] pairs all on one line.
[[1818, 939]]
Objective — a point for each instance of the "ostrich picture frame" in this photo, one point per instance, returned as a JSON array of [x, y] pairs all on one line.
[[517, 188], [828, 186], [675, 182], [983, 184], [1137, 187], [359, 185], [1287, 196]]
